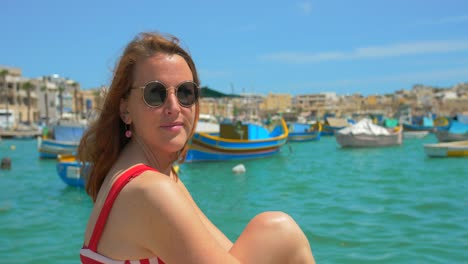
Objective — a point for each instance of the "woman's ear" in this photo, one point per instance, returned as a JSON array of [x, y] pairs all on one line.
[[124, 114]]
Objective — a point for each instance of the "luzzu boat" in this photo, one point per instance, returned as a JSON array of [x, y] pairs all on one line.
[[63, 140], [238, 141], [69, 171], [299, 132], [457, 130], [50, 148], [419, 124]]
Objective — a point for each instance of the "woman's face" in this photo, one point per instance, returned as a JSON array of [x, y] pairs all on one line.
[[165, 128]]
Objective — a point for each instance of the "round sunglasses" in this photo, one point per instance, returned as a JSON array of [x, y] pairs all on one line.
[[155, 93]]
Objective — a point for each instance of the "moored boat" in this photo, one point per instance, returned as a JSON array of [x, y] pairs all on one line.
[[415, 134], [365, 134], [50, 148], [299, 132], [457, 130], [447, 149], [69, 171], [418, 123], [237, 141], [62, 139], [333, 124]]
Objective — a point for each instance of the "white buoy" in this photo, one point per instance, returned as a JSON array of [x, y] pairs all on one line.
[[239, 168]]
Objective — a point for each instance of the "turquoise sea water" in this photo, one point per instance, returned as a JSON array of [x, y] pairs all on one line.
[[386, 205]]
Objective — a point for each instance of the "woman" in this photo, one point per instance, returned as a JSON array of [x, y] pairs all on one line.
[[142, 210]]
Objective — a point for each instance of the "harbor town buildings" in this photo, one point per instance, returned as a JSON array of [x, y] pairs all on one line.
[[26, 100]]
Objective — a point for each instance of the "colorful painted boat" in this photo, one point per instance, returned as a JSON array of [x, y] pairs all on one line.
[[456, 131], [421, 123], [365, 134], [50, 148], [447, 149], [299, 132], [441, 123], [238, 141], [69, 171], [63, 139]]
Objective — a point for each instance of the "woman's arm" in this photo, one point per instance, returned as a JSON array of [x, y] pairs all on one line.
[[172, 227]]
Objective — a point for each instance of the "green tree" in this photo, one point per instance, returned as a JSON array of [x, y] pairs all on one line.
[[46, 100], [75, 86], [61, 89], [28, 86], [3, 74]]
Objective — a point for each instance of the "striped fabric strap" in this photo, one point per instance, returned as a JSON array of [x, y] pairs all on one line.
[[115, 190]]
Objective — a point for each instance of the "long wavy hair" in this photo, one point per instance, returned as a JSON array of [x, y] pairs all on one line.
[[102, 143]]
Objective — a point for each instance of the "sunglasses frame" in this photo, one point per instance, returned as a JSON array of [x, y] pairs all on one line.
[[176, 88]]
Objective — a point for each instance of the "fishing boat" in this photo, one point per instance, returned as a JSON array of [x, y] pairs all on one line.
[[415, 134], [207, 124], [299, 132], [419, 124], [238, 141], [447, 149], [50, 148], [69, 171], [333, 124], [365, 134], [457, 130], [62, 139]]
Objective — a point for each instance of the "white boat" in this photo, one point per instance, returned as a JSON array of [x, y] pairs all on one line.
[[415, 134], [447, 149], [365, 134], [207, 124]]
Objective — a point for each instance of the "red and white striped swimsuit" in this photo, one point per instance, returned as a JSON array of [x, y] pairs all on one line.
[[89, 254]]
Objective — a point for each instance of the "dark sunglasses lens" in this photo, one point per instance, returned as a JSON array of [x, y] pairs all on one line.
[[155, 94], [187, 93]]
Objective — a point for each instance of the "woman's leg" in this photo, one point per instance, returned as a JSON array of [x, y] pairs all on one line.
[[272, 237]]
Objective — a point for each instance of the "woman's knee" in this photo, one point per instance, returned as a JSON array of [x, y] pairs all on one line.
[[277, 223], [282, 234]]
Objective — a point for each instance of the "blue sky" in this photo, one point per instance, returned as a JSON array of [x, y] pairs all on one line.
[[284, 46]]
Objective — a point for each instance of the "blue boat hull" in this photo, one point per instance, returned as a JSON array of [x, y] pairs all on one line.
[[200, 154], [70, 173], [409, 127], [212, 147], [304, 136], [330, 130], [49, 148]]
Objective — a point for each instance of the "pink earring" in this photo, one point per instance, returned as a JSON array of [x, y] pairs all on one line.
[[128, 132]]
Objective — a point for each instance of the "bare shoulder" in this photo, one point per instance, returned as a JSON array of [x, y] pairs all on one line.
[[152, 188], [168, 223]]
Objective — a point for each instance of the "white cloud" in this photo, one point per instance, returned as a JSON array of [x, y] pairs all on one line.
[[305, 6], [392, 50]]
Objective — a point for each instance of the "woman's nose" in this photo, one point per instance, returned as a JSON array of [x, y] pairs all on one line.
[[172, 103]]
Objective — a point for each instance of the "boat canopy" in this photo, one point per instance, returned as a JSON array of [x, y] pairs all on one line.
[[364, 127]]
